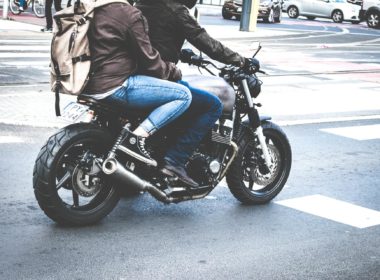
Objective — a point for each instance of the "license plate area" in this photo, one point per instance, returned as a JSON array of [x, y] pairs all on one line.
[[73, 112]]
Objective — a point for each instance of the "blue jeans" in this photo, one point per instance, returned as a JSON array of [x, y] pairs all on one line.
[[204, 111], [166, 100]]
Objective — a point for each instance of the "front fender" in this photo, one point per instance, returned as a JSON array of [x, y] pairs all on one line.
[[246, 127]]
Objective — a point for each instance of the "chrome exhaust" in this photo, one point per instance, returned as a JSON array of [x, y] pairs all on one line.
[[114, 169]]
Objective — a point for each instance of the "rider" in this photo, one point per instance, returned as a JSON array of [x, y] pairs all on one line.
[[170, 24], [128, 72]]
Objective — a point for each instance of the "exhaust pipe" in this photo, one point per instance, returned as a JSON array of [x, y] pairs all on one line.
[[114, 169]]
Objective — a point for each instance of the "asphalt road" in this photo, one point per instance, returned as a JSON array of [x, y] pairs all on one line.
[[322, 88], [213, 238]]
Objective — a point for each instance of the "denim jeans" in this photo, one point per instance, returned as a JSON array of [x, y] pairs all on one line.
[[166, 100], [205, 109]]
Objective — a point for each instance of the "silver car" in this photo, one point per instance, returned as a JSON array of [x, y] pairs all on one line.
[[337, 10]]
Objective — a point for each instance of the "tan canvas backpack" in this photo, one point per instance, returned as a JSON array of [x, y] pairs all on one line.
[[70, 48]]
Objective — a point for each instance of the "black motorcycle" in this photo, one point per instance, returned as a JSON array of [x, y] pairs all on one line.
[[80, 171]]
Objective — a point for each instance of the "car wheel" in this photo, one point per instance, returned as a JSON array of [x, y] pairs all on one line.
[[373, 19], [293, 12], [337, 16], [226, 15], [310, 18], [270, 18], [278, 17]]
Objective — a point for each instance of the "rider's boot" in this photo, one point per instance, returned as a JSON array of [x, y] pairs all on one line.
[[134, 146], [172, 169]]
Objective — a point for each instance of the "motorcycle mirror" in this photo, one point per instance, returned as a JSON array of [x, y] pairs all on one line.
[[258, 48]]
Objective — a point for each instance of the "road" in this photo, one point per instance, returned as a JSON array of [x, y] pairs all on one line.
[[323, 88]]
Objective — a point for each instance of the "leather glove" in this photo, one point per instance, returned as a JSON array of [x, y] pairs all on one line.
[[252, 62], [176, 74]]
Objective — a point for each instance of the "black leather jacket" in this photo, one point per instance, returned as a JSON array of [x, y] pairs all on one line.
[[170, 24]]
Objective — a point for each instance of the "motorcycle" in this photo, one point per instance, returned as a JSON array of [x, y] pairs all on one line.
[[80, 171]]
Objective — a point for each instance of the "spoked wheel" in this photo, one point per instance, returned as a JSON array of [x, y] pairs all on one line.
[[68, 182], [14, 7], [293, 12], [373, 19], [337, 16], [39, 8], [248, 179]]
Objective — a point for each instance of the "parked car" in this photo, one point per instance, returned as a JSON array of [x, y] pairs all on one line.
[[269, 10], [370, 12], [357, 2], [337, 10]]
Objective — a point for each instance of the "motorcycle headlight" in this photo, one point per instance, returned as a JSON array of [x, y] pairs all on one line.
[[254, 85]]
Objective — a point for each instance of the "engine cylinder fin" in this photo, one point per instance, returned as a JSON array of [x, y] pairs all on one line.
[[216, 137]]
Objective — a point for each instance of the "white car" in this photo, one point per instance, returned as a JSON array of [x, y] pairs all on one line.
[[337, 10], [370, 12]]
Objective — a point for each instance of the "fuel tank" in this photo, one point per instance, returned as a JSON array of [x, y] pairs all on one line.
[[216, 86]]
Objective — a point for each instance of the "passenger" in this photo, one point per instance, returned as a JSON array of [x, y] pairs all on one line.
[[170, 24], [127, 71]]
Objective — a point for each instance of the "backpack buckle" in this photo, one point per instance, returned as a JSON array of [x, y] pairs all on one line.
[[82, 21]]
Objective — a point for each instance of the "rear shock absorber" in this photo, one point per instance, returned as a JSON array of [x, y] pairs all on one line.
[[123, 133]]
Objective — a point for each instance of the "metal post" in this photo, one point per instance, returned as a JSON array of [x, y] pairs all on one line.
[[5, 9], [249, 15]]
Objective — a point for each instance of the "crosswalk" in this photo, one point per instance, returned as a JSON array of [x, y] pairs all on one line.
[[20, 58], [29, 57]]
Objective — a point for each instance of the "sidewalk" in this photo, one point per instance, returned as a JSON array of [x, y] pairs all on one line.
[[28, 22]]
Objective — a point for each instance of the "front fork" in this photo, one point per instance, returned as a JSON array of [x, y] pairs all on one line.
[[255, 123]]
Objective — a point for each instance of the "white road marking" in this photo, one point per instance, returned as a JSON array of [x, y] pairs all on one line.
[[327, 120], [16, 41], [364, 132], [10, 139], [335, 210], [24, 48], [26, 63], [210, 197], [28, 55]]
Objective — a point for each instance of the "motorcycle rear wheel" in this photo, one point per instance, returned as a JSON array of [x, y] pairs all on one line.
[[247, 181], [65, 191]]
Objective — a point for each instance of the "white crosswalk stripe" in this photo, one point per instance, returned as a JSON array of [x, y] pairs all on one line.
[[365, 132], [20, 53]]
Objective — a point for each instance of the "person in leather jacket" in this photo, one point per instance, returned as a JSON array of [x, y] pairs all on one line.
[[170, 24], [129, 73]]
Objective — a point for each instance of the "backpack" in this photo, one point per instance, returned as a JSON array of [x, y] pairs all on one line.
[[70, 59]]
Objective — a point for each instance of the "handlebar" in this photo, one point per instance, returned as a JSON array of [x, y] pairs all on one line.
[[251, 65]]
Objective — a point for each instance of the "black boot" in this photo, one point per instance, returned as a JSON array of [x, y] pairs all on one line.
[[134, 146], [179, 171]]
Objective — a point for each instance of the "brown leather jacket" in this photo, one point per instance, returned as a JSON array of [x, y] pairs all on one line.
[[120, 47], [170, 24]]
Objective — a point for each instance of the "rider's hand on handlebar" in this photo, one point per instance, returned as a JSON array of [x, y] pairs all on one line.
[[251, 63]]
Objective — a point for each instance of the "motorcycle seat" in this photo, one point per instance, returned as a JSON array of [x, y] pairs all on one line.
[[98, 103], [101, 104]]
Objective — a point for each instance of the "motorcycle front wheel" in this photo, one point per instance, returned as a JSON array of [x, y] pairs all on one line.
[[68, 184], [248, 180]]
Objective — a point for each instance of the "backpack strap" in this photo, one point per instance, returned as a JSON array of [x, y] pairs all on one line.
[[98, 4]]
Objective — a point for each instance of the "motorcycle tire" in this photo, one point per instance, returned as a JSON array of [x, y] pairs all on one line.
[[59, 181], [246, 181]]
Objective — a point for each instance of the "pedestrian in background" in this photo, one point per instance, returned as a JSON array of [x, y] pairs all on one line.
[[21, 5], [48, 14]]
